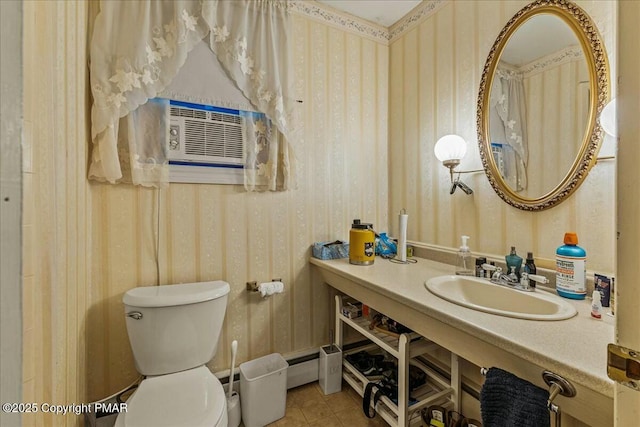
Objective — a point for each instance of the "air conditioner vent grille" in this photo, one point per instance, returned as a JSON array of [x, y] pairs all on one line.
[[213, 139], [228, 118], [233, 147], [187, 112], [207, 138]]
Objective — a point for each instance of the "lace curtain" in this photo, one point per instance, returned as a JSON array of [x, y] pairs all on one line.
[[250, 39], [143, 158], [266, 149], [252, 42], [509, 127]]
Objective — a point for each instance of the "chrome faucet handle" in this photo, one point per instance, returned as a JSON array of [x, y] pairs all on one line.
[[497, 271], [526, 278], [538, 278]]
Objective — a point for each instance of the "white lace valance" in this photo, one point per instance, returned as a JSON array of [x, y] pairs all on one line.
[[136, 50], [251, 39]]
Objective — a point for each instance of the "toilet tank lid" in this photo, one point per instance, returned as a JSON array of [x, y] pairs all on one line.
[[170, 295]]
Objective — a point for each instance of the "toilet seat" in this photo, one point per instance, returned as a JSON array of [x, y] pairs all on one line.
[[193, 398]]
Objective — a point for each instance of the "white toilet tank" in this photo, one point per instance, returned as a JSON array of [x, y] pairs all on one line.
[[174, 327]]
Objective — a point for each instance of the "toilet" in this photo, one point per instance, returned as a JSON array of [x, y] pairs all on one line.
[[174, 331]]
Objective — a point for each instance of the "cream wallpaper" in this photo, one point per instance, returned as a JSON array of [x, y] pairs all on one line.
[[87, 243], [435, 70], [371, 114], [57, 295]]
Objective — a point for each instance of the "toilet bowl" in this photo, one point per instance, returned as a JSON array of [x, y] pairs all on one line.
[[193, 398], [174, 331]]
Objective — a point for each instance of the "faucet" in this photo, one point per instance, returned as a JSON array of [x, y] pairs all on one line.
[[511, 280], [499, 278]]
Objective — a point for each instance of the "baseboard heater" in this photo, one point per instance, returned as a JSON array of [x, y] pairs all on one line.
[[304, 370]]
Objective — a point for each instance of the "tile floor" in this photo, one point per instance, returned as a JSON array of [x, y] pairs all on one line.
[[308, 406]]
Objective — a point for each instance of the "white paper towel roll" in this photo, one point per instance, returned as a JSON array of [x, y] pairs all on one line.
[[402, 236], [269, 288]]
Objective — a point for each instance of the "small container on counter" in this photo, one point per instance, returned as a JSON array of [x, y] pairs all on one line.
[[513, 261], [361, 243], [603, 285], [596, 305], [479, 270]]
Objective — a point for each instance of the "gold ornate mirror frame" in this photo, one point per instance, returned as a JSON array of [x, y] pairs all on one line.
[[597, 64]]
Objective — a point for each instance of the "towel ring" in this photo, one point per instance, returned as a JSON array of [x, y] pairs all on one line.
[[557, 386]]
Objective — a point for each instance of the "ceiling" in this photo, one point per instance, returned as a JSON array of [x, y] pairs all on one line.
[[539, 36], [381, 12]]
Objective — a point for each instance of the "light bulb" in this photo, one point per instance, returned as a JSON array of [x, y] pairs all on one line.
[[608, 119], [450, 147]]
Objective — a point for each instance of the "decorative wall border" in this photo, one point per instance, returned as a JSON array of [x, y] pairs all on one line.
[[568, 54], [344, 21], [421, 12], [362, 27]]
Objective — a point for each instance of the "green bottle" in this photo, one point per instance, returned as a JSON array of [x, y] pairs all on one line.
[[513, 260]]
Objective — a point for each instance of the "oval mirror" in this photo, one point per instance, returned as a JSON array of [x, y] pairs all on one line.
[[544, 84]]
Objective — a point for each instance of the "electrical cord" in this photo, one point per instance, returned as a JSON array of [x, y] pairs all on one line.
[[157, 237]]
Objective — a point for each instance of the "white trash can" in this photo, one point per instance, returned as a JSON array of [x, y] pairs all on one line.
[[330, 369], [263, 390]]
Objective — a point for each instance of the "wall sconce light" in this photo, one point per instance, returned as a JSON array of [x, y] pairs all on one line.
[[450, 149]]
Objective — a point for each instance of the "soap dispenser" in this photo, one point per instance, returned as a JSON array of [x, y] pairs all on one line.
[[464, 265], [513, 260]]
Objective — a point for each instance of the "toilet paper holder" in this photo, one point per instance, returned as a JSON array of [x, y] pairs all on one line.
[[253, 286]]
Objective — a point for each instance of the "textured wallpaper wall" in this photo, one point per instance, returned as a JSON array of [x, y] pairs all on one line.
[[211, 232], [435, 70], [87, 243], [57, 292]]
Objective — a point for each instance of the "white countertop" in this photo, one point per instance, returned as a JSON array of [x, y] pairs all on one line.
[[575, 348]]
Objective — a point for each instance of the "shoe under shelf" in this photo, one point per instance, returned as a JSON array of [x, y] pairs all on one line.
[[436, 389]]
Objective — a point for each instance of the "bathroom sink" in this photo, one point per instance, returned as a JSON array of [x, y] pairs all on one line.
[[482, 295]]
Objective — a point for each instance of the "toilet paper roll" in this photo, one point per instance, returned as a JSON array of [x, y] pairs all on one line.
[[269, 288]]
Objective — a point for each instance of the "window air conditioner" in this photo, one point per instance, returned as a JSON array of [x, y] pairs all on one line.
[[205, 144]]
